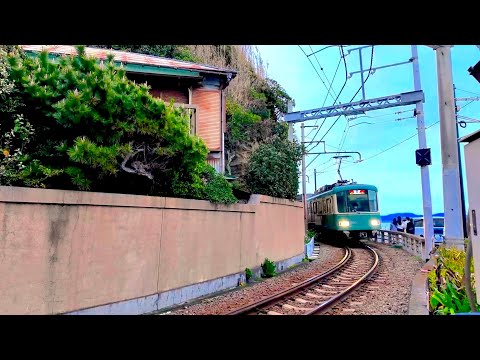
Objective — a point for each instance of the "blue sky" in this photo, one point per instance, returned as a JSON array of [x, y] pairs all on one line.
[[394, 172]]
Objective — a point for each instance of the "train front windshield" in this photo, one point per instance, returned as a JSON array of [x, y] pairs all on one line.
[[357, 200]]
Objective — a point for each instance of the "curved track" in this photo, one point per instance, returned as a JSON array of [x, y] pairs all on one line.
[[320, 292]]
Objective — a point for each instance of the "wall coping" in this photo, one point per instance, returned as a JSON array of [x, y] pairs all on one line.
[[257, 199], [419, 297], [15, 194]]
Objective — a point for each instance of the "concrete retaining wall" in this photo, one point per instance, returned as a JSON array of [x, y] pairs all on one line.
[[64, 251], [418, 304]]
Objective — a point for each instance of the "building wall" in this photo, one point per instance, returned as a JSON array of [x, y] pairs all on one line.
[[178, 96], [209, 116], [62, 251], [209, 101], [472, 154]]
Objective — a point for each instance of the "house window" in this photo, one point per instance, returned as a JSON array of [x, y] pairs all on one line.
[[191, 111]]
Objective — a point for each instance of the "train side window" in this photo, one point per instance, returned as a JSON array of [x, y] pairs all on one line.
[[372, 199], [341, 200]]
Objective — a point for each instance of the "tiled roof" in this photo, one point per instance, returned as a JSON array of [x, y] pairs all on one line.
[[130, 58]]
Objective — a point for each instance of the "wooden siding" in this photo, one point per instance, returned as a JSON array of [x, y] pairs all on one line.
[[216, 163], [178, 96], [209, 117]]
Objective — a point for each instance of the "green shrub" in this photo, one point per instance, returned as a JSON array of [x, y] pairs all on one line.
[[275, 98], [451, 299], [16, 131], [217, 189], [309, 235], [88, 127], [446, 283], [203, 183], [269, 268], [273, 169], [239, 120], [248, 274]]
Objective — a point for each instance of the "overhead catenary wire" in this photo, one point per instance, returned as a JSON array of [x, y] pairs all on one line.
[[326, 47], [324, 73], [320, 77], [469, 92], [331, 126], [382, 115], [331, 83], [344, 135], [341, 90], [393, 146], [346, 78], [326, 96], [471, 120], [383, 122]]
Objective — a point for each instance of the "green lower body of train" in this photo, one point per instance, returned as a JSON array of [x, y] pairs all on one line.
[[351, 225]]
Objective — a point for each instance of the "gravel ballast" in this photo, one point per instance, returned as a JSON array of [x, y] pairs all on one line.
[[392, 282]]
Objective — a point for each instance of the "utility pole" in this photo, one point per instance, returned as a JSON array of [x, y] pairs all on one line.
[[315, 179], [304, 182], [290, 126], [462, 196], [425, 174], [454, 235]]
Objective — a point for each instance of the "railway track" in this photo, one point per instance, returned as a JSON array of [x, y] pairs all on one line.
[[321, 292]]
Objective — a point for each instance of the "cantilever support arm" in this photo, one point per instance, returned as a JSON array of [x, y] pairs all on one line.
[[339, 152], [358, 107]]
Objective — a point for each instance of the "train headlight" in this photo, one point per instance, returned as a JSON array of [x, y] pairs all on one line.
[[344, 223], [375, 222]]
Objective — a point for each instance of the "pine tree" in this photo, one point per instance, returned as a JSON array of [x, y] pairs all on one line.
[[97, 130]]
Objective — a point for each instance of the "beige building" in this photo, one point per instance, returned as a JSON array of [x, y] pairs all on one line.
[[472, 156]]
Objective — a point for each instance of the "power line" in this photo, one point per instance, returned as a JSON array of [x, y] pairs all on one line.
[[326, 77], [345, 83], [375, 116], [334, 147], [391, 147], [384, 121], [468, 91], [346, 78], [328, 89], [323, 82], [321, 171], [472, 120], [325, 100], [333, 79], [326, 47], [315, 158], [464, 106], [344, 135], [368, 75]]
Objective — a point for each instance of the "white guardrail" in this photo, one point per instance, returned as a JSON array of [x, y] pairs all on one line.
[[413, 244], [309, 247]]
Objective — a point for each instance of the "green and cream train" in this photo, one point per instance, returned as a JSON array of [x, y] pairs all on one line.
[[344, 210]]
